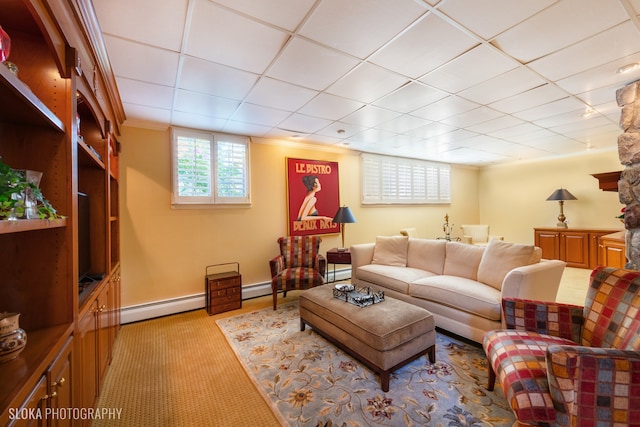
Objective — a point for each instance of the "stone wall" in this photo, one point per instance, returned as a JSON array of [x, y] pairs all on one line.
[[629, 154]]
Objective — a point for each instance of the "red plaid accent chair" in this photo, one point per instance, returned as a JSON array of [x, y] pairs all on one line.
[[299, 265], [565, 365]]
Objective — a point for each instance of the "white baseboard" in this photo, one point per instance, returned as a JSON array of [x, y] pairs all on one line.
[[136, 313]]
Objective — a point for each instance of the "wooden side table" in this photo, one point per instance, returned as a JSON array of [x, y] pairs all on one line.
[[335, 256], [223, 291]]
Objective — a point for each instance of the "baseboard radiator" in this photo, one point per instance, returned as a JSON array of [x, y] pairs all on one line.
[[136, 313]]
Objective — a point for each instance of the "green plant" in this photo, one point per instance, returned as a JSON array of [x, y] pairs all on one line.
[[14, 187]]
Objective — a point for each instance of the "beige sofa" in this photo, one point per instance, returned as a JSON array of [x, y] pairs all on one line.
[[462, 285]]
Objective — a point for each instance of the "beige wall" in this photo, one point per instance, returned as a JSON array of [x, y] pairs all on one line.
[[165, 251], [513, 197]]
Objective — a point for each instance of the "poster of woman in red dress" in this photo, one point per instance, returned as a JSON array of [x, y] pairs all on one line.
[[312, 196]]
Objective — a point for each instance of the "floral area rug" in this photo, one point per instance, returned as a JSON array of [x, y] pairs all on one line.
[[310, 382]]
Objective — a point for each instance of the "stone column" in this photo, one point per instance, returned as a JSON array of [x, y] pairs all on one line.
[[629, 183]]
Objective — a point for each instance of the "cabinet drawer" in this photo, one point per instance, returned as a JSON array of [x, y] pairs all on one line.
[[225, 299], [234, 291], [224, 283], [234, 305]]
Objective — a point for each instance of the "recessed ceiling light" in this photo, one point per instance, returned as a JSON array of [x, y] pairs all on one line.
[[588, 112], [628, 68]]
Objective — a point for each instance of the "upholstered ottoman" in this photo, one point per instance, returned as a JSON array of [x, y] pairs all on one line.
[[383, 336]]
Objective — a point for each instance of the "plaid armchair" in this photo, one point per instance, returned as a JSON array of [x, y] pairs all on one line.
[[299, 265], [565, 365]]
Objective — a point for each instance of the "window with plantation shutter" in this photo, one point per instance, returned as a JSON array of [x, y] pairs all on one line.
[[396, 180], [209, 168]]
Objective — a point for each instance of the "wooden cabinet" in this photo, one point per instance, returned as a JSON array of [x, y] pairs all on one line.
[[40, 130], [49, 398], [223, 292], [580, 248], [613, 250]]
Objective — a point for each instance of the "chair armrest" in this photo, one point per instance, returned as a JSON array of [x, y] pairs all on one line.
[[320, 264], [544, 317], [574, 371], [276, 265]]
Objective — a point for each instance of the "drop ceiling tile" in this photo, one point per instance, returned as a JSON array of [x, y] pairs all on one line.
[[533, 136], [205, 105], [346, 26], [495, 124], [477, 141], [242, 128], [475, 66], [472, 117], [258, 115], [366, 83], [491, 17], [431, 130], [280, 95], [447, 107], [602, 76], [272, 11], [370, 116], [605, 139], [310, 65], [141, 114], [162, 28], [471, 156], [214, 79], [601, 95], [141, 62], [574, 116], [579, 126], [225, 37], [147, 94], [609, 45], [402, 124], [330, 107], [517, 133], [410, 97], [529, 99], [424, 47], [550, 30], [300, 123], [197, 121], [335, 128], [562, 145], [503, 86], [551, 109], [454, 137]]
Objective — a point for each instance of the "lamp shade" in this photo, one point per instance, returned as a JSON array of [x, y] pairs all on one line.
[[561, 194], [343, 216]]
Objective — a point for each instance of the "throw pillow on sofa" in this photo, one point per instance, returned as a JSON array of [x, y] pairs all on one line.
[[501, 257], [391, 250]]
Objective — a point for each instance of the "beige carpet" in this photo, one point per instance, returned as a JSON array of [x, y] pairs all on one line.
[[179, 371]]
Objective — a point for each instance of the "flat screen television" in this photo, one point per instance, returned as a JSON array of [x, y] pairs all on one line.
[[84, 237]]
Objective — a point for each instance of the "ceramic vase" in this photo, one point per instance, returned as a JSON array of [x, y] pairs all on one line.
[[12, 337], [5, 45]]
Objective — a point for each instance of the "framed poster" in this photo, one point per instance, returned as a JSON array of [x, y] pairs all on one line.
[[312, 197]]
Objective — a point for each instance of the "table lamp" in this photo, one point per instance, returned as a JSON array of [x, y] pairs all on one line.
[[342, 217], [561, 195]]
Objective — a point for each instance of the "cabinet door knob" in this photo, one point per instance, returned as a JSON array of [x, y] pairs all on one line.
[[60, 382]]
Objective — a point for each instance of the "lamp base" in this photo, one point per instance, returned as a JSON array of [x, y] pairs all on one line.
[[342, 249], [562, 225]]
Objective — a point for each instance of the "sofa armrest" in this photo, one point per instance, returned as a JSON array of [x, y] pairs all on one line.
[[361, 254], [544, 317], [276, 265], [539, 281], [574, 371]]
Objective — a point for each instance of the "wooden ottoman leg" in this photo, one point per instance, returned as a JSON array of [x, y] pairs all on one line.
[[384, 381], [302, 325], [431, 353]]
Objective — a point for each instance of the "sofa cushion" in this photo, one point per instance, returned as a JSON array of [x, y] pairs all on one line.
[[501, 257], [426, 254], [464, 294], [391, 277], [462, 260], [391, 250]]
